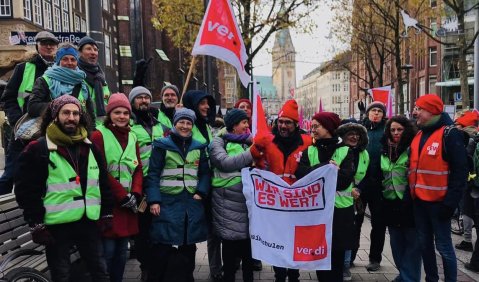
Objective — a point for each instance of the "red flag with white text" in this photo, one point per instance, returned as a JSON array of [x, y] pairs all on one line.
[[220, 37]]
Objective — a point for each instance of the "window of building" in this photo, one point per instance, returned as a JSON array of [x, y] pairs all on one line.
[[106, 5], [107, 50], [77, 23], [345, 87], [422, 86], [47, 15], [432, 83], [432, 56], [83, 25], [65, 5], [27, 9], [433, 26], [56, 2], [57, 20], [433, 3], [5, 8], [37, 12], [66, 22]]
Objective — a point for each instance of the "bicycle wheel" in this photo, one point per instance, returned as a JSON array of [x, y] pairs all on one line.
[[457, 226], [26, 274]]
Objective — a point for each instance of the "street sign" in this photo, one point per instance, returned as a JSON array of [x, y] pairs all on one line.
[[28, 38]]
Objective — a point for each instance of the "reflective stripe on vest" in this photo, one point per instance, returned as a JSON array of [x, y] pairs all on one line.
[[395, 176], [428, 172], [28, 79], [179, 174], [64, 200], [223, 179], [362, 168], [344, 198], [144, 142], [121, 163]]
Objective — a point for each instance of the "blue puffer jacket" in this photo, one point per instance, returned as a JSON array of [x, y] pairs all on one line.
[[169, 227]]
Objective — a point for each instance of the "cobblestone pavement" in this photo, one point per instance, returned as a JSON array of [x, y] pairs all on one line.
[[359, 273]]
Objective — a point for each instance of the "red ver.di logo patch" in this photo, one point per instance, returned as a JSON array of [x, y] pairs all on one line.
[[310, 243]]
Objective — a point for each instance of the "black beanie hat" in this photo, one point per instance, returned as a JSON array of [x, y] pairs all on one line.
[[233, 117], [86, 40]]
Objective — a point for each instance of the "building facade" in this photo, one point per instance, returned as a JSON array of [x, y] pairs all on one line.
[[284, 65]]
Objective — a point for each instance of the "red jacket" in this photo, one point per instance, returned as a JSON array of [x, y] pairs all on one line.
[[125, 222], [275, 159]]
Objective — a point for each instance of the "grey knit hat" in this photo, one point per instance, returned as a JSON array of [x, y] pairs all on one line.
[[172, 87], [139, 90], [86, 40], [184, 113]]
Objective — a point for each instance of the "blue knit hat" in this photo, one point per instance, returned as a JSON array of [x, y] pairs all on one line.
[[233, 117], [184, 113], [66, 50]]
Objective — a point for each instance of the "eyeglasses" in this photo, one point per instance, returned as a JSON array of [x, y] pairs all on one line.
[[285, 122], [143, 97], [315, 126]]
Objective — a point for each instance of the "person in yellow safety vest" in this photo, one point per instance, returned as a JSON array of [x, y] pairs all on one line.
[[398, 213], [146, 127], [329, 149], [177, 182], [170, 96], [119, 147], [63, 78], [16, 96], [204, 106], [66, 198], [229, 154], [355, 136], [95, 77]]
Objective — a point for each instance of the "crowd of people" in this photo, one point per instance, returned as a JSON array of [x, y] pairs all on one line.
[[110, 170]]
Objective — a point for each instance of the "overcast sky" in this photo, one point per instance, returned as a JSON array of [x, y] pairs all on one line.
[[311, 49]]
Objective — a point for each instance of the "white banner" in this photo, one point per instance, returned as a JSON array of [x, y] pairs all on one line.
[[291, 226]]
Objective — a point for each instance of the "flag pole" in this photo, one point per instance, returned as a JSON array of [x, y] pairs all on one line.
[[188, 77]]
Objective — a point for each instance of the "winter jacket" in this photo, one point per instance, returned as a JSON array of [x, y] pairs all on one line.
[[170, 227], [454, 153], [29, 191], [41, 97], [125, 222], [10, 95], [202, 125], [343, 218], [372, 182], [230, 214]]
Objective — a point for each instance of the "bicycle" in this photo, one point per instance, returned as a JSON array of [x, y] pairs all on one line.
[[21, 274]]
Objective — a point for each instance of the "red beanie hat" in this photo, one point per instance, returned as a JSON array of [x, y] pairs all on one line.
[[117, 100], [431, 103], [328, 120], [468, 119], [243, 100], [290, 110]]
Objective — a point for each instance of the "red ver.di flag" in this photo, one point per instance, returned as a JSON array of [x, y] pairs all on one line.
[[220, 37], [291, 226]]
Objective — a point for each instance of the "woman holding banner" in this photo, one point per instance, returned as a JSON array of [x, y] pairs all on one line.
[[328, 149], [229, 154], [397, 210]]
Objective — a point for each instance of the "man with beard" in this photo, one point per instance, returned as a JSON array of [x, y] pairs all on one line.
[[281, 153], [145, 125], [65, 198], [95, 77], [169, 99], [371, 187], [16, 95]]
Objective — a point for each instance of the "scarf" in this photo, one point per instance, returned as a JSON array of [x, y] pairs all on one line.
[[59, 137], [63, 80], [288, 144], [393, 153], [96, 78]]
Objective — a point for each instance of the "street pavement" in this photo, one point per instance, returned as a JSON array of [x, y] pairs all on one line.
[[359, 273]]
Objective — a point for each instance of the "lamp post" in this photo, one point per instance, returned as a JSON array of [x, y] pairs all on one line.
[[407, 67]]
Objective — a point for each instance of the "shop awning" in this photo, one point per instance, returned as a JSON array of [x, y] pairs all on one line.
[[454, 82]]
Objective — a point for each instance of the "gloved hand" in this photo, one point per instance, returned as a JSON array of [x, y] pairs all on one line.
[[129, 202], [445, 212], [262, 141], [105, 223], [41, 235], [256, 152]]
